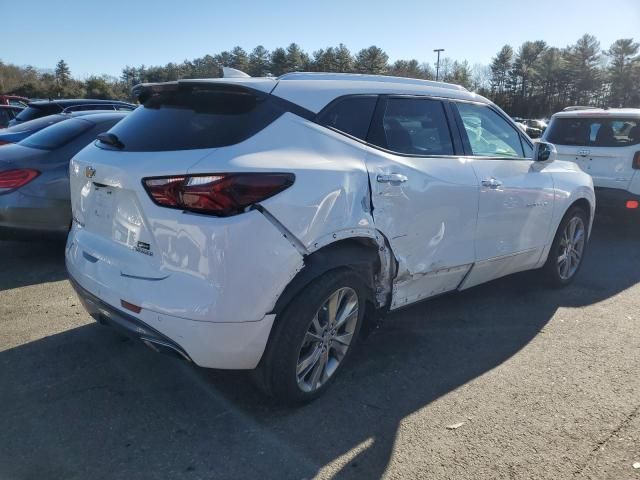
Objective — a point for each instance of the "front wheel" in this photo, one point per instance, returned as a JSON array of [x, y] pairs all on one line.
[[568, 248], [313, 337]]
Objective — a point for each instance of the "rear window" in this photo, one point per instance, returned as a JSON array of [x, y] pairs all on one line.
[[30, 113], [594, 131], [57, 135], [192, 117], [37, 124]]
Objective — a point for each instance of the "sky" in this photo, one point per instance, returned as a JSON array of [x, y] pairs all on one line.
[[97, 38]]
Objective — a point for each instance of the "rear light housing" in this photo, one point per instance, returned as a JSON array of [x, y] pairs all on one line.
[[636, 161], [632, 204], [13, 179], [218, 194]]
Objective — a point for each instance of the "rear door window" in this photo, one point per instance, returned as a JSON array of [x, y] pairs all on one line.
[[57, 135], [594, 131], [190, 117], [31, 113], [351, 115], [413, 126]]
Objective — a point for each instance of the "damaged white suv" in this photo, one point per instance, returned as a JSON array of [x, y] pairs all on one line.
[[248, 223]]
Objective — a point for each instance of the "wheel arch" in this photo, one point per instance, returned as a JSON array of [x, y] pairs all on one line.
[[357, 253]]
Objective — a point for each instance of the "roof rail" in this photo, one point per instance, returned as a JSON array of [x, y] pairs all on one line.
[[359, 77], [98, 106], [578, 107]]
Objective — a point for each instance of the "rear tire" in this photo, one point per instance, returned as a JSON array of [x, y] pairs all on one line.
[[313, 338], [568, 248]]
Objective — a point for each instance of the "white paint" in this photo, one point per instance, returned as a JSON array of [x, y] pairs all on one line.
[[210, 283]]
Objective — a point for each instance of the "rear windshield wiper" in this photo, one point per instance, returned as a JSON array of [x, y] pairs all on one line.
[[111, 139]]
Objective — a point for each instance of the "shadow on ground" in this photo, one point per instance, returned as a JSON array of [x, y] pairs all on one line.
[[86, 404], [31, 262]]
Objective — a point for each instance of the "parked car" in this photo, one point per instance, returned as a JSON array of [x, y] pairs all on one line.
[[34, 175], [14, 100], [606, 145], [21, 131], [43, 108], [8, 113], [249, 223], [535, 128]]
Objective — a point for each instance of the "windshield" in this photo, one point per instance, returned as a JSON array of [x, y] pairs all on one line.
[[594, 131], [55, 136]]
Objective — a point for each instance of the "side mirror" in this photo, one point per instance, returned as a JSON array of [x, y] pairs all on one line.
[[544, 152]]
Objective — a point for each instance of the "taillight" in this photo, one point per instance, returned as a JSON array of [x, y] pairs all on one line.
[[4, 142], [12, 179], [222, 194], [636, 161]]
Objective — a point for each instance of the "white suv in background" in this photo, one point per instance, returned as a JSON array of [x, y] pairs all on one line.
[[249, 223], [606, 145]]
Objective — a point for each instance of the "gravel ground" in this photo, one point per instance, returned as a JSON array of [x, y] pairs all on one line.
[[540, 384]]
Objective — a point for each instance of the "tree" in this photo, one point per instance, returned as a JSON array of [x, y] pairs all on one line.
[[583, 65], [371, 60], [624, 63], [239, 59], [278, 62], [344, 59], [99, 87], [62, 77], [296, 60], [259, 62], [500, 68]]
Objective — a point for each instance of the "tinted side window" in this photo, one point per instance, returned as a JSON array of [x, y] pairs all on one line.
[[193, 117], [350, 115], [414, 126], [489, 134], [57, 135]]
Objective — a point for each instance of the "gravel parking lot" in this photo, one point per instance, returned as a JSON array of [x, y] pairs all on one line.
[[540, 383]]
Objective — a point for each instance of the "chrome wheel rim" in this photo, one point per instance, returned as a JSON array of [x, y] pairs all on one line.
[[571, 248], [327, 339]]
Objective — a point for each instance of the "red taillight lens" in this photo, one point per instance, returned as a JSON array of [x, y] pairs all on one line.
[[221, 194], [632, 204], [636, 161], [12, 179], [3, 142]]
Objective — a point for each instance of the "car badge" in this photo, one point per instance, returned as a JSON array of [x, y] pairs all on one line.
[[89, 172], [584, 152]]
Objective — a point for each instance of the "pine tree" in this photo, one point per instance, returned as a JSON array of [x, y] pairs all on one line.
[[259, 62], [371, 60], [623, 65]]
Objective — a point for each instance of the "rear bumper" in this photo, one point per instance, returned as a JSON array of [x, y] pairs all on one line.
[[615, 200], [126, 324], [27, 216], [223, 345]]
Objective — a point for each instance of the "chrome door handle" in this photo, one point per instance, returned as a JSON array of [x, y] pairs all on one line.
[[492, 183], [392, 178]]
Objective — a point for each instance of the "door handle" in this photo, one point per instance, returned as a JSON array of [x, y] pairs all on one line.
[[491, 183], [392, 178]]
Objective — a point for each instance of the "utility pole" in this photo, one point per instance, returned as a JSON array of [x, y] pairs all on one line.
[[438, 50]]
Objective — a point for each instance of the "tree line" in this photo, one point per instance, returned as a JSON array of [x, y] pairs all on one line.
[[534, 80]]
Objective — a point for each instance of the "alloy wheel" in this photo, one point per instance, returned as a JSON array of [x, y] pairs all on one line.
[[571, 249], [327, 340]]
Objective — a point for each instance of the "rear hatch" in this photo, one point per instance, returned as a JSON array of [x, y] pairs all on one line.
[[176, 127], [603, 146]]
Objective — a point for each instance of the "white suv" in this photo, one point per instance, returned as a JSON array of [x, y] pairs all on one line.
[[606, 145], [249, 223]]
